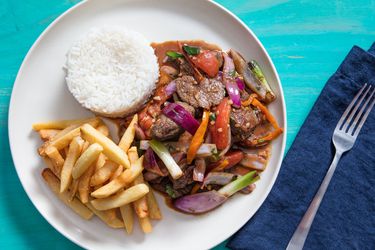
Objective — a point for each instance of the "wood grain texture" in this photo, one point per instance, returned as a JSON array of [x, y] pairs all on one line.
[[306, 40]]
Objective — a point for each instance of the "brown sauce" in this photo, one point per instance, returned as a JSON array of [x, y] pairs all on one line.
[[162, 48]]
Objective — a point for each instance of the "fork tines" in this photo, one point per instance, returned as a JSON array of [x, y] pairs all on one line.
[[354, 117]]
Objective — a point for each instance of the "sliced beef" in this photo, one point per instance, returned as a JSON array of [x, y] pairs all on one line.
[[184, 180], [206, 94], [211, 93], [165, 129], [150, 176], [243, 121], [166, 187], [185, 67]]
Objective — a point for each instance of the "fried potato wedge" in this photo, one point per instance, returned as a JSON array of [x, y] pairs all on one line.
[[48, 134], [86, 159], [84, 184], [153, 207], [122, 198], [104, 173], [140, 205], [127, 216], [54, 183], [121, 181], [145, 225], [56, 159], [74, 151], [62, 124], [60, 141], [111, 150], [128, 136], [107, 217]]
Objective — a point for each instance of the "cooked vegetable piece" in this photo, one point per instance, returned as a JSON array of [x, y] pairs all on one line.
[[220, 135], [199, 170], [182, 117], [206, 201], [191, 50], [208, 62], [174, 55], [240, 83], [218, 178], [252, 82], [150, 163], [200, 202], [258, 73], [198, 137], [229, 160], [229, 81], [239, 183], [206, 149], [167, 159], [197, 75]]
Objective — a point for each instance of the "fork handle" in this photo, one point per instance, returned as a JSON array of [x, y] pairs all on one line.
[[299, 237]]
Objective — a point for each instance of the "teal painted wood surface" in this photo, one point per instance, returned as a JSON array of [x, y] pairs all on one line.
[[306, 40]]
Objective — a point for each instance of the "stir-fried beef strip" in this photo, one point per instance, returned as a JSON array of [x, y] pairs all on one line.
[[204, 95], [243, 121], [165, 129]]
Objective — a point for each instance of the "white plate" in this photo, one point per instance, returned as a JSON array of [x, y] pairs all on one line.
[[40, 94]]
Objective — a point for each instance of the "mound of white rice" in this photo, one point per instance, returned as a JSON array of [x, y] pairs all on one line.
[[112, 71]]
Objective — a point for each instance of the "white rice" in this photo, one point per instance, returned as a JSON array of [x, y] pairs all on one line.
[[112, 71]]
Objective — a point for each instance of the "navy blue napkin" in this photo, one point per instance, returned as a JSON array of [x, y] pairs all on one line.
[[346, 217]]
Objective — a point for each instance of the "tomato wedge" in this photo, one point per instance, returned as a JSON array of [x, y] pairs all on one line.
[[207, 62], [220, 135]]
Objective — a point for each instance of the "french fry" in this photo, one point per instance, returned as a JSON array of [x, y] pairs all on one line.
[[84, 184], [73, 189], [153, 207], [121, 181], [62, 124], [103, 174], [48, 134], [127, 216], [140, 205], [60, 142], [74, 151], [133, 154], [85, 146], [54, 183], [86, 159], [103, 129], [120, 199], [145, 225], [107, 217], [111, 150], [56, 159], [101, 161], [128, 137], [50, 165], [117, 172]]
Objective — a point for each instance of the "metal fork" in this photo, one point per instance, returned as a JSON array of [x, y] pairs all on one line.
[[344, 137]]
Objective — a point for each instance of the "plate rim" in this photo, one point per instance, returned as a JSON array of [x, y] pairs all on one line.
[[214, 242]]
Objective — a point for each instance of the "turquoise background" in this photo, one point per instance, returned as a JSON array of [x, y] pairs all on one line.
[[306, 40]]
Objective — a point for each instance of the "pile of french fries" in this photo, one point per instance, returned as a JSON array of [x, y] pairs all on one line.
[[93, 175]]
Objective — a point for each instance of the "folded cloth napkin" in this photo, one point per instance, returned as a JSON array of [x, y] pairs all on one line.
[[346, 217]]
